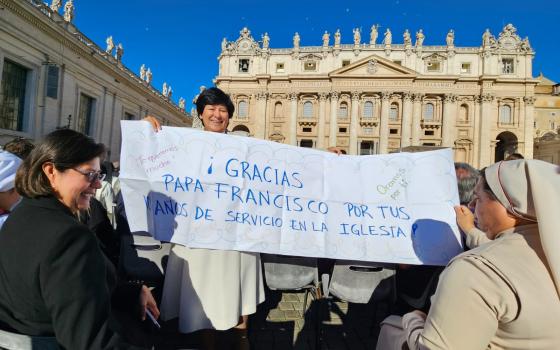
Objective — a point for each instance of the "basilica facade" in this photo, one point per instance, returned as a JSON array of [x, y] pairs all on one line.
[[377, 96]]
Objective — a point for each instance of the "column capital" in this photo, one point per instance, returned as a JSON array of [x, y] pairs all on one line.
[[487, 97], [335, 95], [449, 98], [293, 96], [418, 97], [529, 100], [323, 96], [261, 95], [407, 96], [386, 95], [355, 95]]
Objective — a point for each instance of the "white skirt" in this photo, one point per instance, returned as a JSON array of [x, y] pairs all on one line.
[[211, 289]]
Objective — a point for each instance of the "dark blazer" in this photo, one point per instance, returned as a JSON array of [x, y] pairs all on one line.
[[55, 280]]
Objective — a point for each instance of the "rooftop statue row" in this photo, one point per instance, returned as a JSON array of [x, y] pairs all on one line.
[[507, 40]]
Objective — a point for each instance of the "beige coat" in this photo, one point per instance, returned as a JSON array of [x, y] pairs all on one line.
[[497, 296]]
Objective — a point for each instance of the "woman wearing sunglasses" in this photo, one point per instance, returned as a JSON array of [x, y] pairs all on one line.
[[54, 279]]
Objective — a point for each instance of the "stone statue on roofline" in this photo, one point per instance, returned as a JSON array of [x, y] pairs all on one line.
[[326, 39], [169, 92], [110, 45], [143, 72], [265, 41], [182, 103], [406, 38], [149, 76], [56, 5], [357, 36], [296, 41], [420, 38], [224, 44], [164, 89], [450, 38], [337, 38], [373, 34], [388, 37], [69, 11], [486, 38], [119, 52]]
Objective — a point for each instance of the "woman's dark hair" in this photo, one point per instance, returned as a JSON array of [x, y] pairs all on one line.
[[214, 96], [64, 148]]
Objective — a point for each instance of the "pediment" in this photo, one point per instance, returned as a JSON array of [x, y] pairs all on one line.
[[373, 66]]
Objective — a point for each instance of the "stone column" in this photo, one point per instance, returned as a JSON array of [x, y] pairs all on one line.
[[333, 121], [353, 147], [406, 126], [484, 150], [260, 119], [476, 127], [384, 123], [322, 120], [292, 133], [448, 127], [529, 126], [416, 117]]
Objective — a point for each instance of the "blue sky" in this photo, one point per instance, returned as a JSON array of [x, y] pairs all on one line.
[[180, 40]]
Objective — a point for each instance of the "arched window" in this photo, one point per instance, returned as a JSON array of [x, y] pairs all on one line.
[[394, 112], [308, 109], [278, 110], [429, 112], [505, 115], [242, 109], [463, 113], [368, 109], [343, 110]]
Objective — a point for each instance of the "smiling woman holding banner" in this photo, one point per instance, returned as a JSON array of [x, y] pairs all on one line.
[[503, 294], [212, 289], [56, 285]]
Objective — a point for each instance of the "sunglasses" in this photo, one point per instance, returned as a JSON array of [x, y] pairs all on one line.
[[91, 175]]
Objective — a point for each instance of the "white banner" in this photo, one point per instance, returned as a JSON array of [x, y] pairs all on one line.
[[219, 191]]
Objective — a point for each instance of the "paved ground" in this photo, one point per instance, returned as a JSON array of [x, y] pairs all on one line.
[[326, 324]]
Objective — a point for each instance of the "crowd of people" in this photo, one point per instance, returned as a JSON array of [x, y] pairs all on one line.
[[62, 285]]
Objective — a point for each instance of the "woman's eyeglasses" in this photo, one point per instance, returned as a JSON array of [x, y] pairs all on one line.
[[91, 175]]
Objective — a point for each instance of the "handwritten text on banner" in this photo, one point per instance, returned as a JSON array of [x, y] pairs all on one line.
[[219, 191]]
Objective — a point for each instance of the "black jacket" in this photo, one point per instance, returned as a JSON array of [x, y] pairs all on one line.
[[55, 280]]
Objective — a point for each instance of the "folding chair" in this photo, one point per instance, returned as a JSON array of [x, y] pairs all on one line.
[[291, 273], [360, 282]]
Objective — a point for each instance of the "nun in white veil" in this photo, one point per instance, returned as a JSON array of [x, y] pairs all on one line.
[[503, 294]]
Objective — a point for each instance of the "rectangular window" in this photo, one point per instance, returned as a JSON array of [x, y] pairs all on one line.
[[310, 66], [507, 66], [433, 66], [429, 133], [279, 67], [345, 63], [85, 113], [428, 144], [52, 81], [129, 116], [393, 131], [342, 130], [366, 148], [12, 96], [244, 65], [307, 129], [465, 68], [306, 143]]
